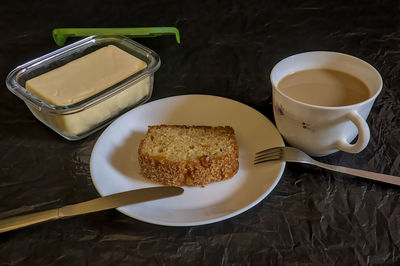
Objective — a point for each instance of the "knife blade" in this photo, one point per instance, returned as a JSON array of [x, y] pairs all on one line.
[[94, 205]]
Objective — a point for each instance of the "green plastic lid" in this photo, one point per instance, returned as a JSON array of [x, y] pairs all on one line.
[[60, 35]]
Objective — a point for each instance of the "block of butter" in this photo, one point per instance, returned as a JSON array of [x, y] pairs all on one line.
[[90, 90], [85, 76]]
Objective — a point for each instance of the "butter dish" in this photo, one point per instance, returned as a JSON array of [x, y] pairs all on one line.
[[101, 70]]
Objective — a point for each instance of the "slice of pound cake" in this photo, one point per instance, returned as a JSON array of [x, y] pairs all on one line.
[[180, 155]]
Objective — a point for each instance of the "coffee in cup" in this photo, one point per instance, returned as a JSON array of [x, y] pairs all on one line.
[[326, 87], [322, 99]]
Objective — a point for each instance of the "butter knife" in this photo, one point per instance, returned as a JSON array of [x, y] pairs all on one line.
[[94, 205]]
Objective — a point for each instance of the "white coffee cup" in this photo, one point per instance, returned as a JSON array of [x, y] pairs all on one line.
[[321, 130]]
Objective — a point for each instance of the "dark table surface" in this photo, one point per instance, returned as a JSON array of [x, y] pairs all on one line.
[[313, 216]]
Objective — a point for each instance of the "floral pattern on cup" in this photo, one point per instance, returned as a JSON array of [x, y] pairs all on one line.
[[281, 111], [278, 110]]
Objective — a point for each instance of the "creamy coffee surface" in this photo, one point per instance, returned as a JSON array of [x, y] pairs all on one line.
[[324, 87]]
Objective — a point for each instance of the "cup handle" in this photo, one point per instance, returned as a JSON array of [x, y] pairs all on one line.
[[363, 135]]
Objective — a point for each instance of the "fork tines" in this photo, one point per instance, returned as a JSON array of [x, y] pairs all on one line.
[[271, 154]]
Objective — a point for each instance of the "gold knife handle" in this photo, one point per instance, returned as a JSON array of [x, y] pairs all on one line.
[[16, 222]]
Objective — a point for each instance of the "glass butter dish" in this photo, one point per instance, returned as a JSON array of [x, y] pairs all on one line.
[[82, 87]]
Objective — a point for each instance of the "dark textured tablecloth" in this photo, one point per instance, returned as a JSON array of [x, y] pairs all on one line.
[[312, 217]]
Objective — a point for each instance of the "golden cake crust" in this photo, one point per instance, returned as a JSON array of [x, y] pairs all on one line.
[[194, 172]]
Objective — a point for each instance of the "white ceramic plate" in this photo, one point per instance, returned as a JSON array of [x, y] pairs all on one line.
[[115, 168]]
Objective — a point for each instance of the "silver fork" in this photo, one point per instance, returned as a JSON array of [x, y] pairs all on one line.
[[290, 154]]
